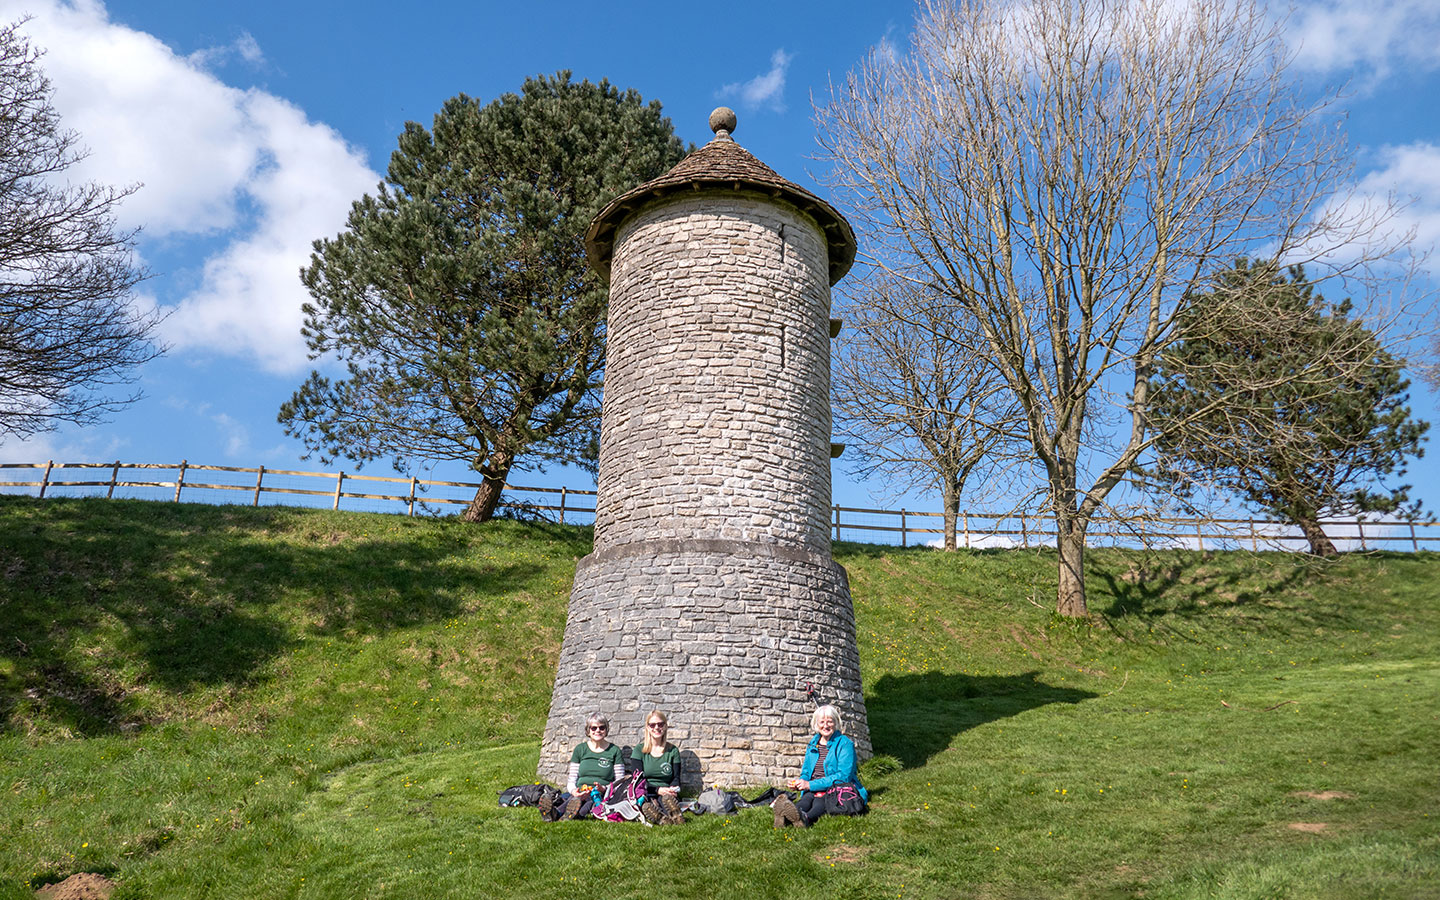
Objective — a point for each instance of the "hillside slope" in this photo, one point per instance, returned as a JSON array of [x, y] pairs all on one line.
[[233, 702]]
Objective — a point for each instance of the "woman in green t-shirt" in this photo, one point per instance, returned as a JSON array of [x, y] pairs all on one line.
[[595, 763], [660, 763]]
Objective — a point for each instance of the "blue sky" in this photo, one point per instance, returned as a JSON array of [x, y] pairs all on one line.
[[252, 126]]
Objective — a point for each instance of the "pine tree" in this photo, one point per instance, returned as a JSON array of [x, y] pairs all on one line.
[[459, 298], [1282, 399]]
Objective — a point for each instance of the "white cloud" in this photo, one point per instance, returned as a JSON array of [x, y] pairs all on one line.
[[1412, 173], [73, 446], [301, 189], [1398, 198], [1377, 35], [242, 169], [766, 90], [245, 47]]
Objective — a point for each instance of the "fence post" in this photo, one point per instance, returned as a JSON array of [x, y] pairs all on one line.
[[412, 496], [1254, 541], [1199, 535], [259, 478], [180, 479], [45, 482], [114, 474], [1025, 532], [837, 521], [339, 481], [966, 516], [1414, 543], [562, 504], [1360, 527], [903, 534]]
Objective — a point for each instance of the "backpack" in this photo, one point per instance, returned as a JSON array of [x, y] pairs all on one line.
[[526, 794], [844, 800], [622, 799], [716, 801], [719, 801]]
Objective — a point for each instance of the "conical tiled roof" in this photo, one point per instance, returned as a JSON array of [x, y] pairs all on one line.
[[720, 165]]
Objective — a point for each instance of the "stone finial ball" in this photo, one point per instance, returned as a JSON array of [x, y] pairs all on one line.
[[722, 119]]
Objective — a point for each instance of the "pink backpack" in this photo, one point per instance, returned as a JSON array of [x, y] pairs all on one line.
[[622, 799]]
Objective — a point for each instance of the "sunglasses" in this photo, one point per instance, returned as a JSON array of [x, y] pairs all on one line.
[[654, 724], [600, 728]]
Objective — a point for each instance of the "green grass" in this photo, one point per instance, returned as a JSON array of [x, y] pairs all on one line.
[[202, 701]]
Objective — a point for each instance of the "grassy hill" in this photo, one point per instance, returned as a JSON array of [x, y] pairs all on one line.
[[201, 701]]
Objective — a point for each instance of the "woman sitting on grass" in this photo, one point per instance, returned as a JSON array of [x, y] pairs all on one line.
[[829, 768], [595, 763], [659, 762]]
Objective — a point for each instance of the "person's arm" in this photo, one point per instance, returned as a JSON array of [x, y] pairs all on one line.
[[839, 766], [807, 768], [574, 774], [619, 765]]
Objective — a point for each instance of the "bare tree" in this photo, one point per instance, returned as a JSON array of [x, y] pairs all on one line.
[[916, 395], [1068, 173], [68, 329]]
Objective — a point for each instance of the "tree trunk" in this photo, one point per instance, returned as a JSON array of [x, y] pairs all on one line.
[[492, 485], [1320, 543], [1070, 542], [951, 502]]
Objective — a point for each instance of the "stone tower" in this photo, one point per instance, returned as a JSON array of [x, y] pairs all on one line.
[[711, 593]]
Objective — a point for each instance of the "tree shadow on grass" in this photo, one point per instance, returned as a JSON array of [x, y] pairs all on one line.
[[99, 596], [1169, 591], [914, 717]]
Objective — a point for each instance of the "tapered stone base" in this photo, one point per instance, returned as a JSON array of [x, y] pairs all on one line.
[[724, 637]]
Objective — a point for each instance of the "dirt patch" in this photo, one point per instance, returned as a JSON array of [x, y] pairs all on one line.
[[962, 639], [1323, 795], [1309, 827], [80, 886], [842, 854]]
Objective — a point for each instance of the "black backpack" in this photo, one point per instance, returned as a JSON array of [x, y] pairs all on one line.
[[526, 794], [844, 800]]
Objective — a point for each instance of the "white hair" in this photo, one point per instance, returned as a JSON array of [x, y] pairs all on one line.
[[832, 712]]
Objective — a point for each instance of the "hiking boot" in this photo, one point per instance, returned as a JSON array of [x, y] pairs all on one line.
[[786, 813], [572, 808], [547, 807], [671, 813], [650, 810]]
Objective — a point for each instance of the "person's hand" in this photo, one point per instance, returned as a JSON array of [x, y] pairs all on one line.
[[799, 784], [670, 790]]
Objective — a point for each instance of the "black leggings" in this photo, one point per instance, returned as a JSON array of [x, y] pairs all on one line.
[[811, 806]]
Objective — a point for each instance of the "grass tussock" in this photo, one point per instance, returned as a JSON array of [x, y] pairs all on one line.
[[201, 701]]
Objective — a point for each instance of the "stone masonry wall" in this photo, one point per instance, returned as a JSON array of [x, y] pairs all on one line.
[[724, 637], [716, 413], [711, 593]]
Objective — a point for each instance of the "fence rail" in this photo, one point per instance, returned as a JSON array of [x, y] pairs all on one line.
[[417, 491], [973, 529]]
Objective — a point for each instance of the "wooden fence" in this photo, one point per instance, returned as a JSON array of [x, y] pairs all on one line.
[[198, 480], [973, 529]]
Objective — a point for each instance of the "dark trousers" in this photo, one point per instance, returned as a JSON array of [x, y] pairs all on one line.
[[585, 807], [811, 806]]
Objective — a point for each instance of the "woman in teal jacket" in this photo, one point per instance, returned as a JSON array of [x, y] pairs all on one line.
[[829, 764]]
